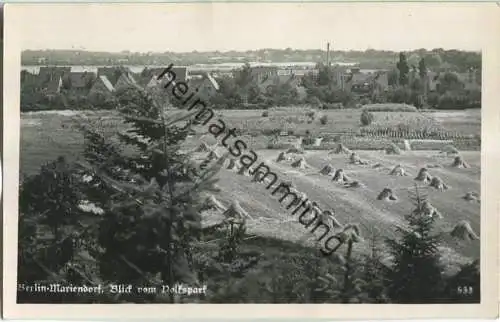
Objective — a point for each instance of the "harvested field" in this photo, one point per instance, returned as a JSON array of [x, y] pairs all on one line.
[[44, 138]]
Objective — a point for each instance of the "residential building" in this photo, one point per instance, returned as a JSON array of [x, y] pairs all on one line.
[[433, 81], [359, 83], [102, 85], [112, 73], [381, 82], [125, 81], [50, 79], [53, 86], [471, 79], [79, 82], [206, 85], [47, 73], [151, 75]]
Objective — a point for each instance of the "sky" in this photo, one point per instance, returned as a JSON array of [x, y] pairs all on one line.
[[251, 26]]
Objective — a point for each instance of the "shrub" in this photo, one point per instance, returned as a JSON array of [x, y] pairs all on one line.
[[311, 114], [323, 120], [364, 101], [366, 118]]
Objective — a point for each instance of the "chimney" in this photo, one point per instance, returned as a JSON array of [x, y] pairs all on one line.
[[328, 54]]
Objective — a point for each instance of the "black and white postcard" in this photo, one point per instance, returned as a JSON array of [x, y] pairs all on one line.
[[241, 154]]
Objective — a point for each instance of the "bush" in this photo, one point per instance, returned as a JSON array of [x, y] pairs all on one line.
[[390, 107], [311, 114], [365, 101], [332, 106], [366, 118], [323, 120], [265, 114]]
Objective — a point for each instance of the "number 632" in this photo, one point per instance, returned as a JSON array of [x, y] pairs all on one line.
[[465, 290]]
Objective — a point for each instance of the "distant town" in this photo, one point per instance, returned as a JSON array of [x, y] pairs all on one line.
[[419, 78]]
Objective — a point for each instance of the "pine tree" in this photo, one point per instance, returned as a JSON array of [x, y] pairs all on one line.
[[372, 272], [152, 201], [48, 244], [415, 275]]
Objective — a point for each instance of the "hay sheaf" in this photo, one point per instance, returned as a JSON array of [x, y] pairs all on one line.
[[299, 163], [354, 184], [423, 175], [235, 213], [427, 209], [393, 149], [472, 196], [282, 157], [355, 159], [464, 231], [387, 195], [244, 171], [212, 203], [398, 171], [460, 163], [203, 147], [340, 176], [231, 164], [212, 155], [327, 170], [438, 183], [340, 149], [328, 218]]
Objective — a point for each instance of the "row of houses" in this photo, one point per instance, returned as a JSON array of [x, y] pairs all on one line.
[[359, 81], [107, 80]]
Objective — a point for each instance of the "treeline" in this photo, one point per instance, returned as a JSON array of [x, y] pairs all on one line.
[[128, 212], [457, 60]]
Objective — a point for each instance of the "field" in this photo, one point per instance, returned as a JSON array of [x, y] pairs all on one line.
[[45, 136], [359, 205]]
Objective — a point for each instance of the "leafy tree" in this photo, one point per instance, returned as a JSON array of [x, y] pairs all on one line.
[[393, 77], [325, 75], [415, 275], [403, 69], [244, 76], [366, 118], [450, 83], [422, 69]]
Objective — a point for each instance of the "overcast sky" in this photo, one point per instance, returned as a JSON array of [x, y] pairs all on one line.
[[223, 27]]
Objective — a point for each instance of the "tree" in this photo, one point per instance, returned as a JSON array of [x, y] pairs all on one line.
[[325, 76], [422, 69], [393, 77], [415, 275], [152, 210], [403, 68], [366, 118], [373, 271], [244, 77]]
